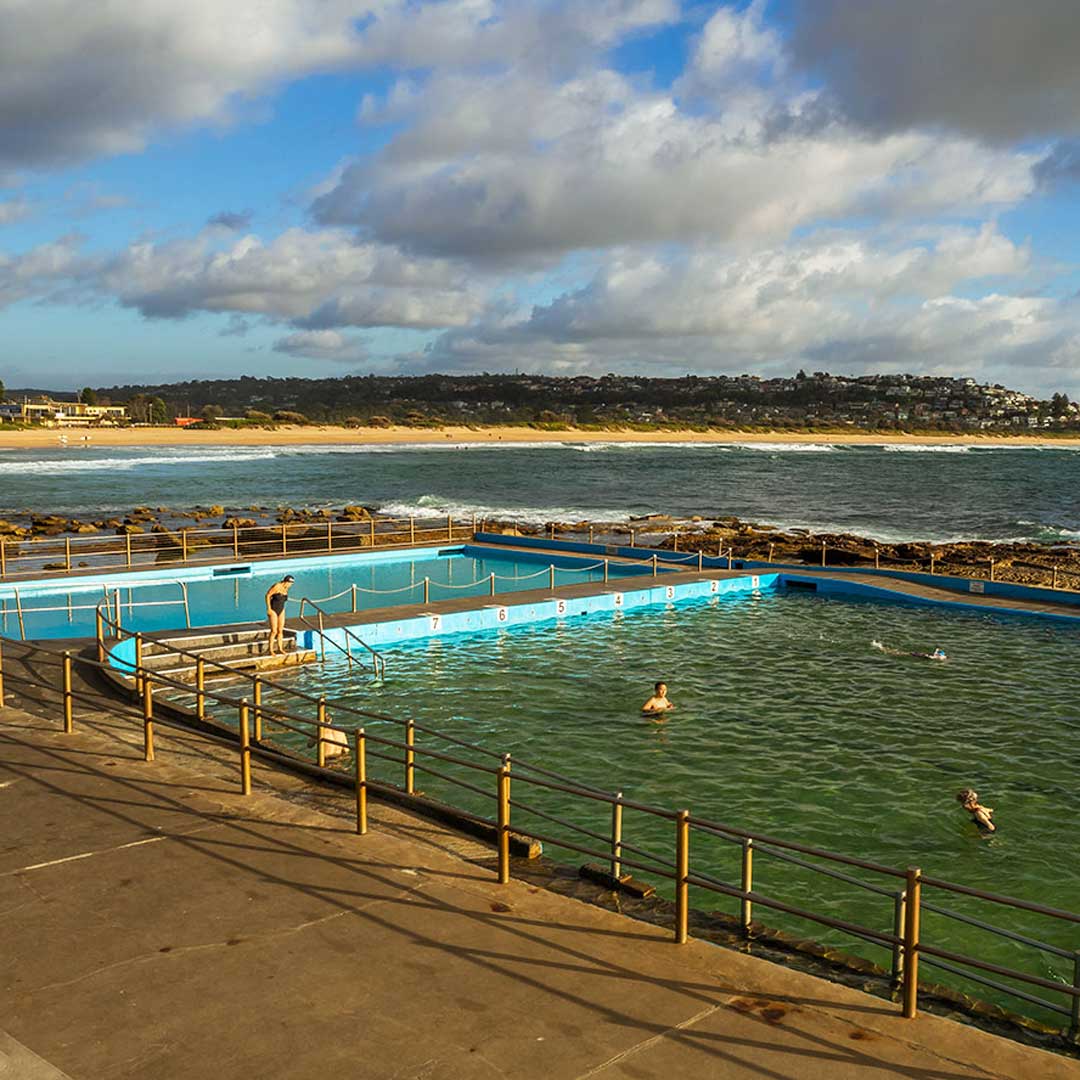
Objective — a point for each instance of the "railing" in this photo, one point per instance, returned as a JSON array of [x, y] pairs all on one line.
[[111, 598], [44, 556], [490, 776], [1056, 577], [378, 662]]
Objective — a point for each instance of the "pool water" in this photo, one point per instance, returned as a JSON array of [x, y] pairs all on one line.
[[788, 722], [67, 610]]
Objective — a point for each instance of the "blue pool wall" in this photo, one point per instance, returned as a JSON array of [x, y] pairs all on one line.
[[500, 616]]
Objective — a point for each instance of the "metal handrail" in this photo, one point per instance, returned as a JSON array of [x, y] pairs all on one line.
[[378, 662], [679, 871]]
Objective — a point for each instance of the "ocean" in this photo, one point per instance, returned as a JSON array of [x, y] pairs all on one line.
[[890, 492]]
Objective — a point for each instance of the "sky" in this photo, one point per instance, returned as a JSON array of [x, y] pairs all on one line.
[[193, 189]]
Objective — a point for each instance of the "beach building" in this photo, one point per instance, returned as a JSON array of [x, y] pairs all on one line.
[[54, 413]]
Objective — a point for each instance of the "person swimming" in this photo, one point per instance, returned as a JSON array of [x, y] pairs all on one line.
[[937, 654], [658, 703], [980, 814]]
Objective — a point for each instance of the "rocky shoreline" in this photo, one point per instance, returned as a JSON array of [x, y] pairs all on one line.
[[1024, 563]]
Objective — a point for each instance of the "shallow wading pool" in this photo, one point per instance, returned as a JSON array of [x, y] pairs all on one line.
[[232, 593]]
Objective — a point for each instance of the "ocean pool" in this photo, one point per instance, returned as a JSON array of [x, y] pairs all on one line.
[[790, 723]]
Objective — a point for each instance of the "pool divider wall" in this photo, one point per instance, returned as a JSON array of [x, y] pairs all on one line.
[[965, 586], [495, 616]]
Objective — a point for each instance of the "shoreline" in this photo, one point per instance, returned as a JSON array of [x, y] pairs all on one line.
[[404, 436]]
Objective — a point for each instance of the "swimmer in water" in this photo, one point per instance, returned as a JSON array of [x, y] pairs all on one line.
[[276, 597], [658, 703], [980, 814], [937, 654]]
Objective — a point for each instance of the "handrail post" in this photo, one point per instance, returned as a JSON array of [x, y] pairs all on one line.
[[329, 537], [899, 904], [245, 750], [1, 674], [236, 540], [354, 598], [148, 717], [67, 551], [449, 527], [183, 545], [700, 561], [320, 744], [69, 725], [200, 687], [551, 576], [504, 824], [322, 638], [1054, 585], [19, 613], [492, 582], [410, 757], [933, 560], [361, 782], [412, 530], [746, 908], [3, 557], [284, 538], [771, 548], [616, 836], [607, 563], [590, 532], [551, 530], [99, 633], [911, 942], [682, 872], [427, 590], [138, 662], [877, 557], [256, 697], [127, 548], [371, 533], [654, 566], [1074, 1007], [632, 535], [116, 593], [823, 550], [991, 569]]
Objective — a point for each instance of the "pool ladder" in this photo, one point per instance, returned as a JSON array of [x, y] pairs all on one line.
[[378, 663]]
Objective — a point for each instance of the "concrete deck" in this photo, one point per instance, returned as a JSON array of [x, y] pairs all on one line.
[[158, 924]]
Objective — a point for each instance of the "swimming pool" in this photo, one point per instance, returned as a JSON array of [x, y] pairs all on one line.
[[788, 722], [231, 593]]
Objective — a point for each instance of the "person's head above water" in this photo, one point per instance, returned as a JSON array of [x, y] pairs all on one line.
[[938, 654], [967, 796], [660, 688], [288, 579]]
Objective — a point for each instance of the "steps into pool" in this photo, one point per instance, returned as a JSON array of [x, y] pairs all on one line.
[[240, 650]]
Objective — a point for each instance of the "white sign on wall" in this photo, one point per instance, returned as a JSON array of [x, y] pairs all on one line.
[[435, 623], [714, 586], [977, 586], [755, 582], [560, 607], [618, 599], [670, 591]]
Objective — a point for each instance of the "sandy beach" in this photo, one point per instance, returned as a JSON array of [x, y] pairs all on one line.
[[315, 435]]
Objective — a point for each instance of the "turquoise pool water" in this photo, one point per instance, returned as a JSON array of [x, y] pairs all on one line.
[[788, 722], [56, 610]]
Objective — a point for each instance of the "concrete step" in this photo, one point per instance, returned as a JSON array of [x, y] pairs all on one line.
[[195, 642], [227, 651], [246, 664]]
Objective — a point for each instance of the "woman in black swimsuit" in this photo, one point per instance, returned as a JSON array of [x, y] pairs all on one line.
[[276, 596]]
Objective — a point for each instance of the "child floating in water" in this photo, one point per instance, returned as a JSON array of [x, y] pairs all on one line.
[[658, 703], [980, 814]]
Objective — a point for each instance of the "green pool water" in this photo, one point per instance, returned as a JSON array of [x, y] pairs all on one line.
[[789, 723]]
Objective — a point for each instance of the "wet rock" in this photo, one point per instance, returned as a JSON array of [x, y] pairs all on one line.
[[239, 523], [128, 528]]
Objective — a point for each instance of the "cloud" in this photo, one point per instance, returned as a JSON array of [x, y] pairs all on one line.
[[515, 167], [13, 210], [995, 70], [322, 345], [316, 279], [233, 220], [79, 81], [835, 300]]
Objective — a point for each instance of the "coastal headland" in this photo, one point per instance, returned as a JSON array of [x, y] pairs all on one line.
[[296, 435]]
